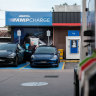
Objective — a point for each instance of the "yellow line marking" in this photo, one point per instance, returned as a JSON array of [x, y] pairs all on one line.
[[61, 60], [63, 66], [71, 61], [24, 66]]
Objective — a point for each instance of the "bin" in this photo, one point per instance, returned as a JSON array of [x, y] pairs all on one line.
[[60, 53]]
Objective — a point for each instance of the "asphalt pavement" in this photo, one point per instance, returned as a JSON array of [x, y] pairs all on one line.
[[39, 82]]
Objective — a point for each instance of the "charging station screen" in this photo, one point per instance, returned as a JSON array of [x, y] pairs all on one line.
[[73, 46]]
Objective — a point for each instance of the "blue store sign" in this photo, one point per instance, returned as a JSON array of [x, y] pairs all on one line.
[[73, 33], [28, 18]]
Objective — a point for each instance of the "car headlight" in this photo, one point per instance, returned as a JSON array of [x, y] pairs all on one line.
[[32, 56], [54, 57], [12, 55]]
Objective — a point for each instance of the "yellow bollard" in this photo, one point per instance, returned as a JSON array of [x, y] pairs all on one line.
[[60, 53]]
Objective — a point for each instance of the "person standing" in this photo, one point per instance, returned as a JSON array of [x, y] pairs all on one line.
[[26, 46], [32, 47]]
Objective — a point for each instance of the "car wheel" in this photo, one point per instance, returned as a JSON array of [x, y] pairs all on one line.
[[31, 64], [57, 64], [16, 62]]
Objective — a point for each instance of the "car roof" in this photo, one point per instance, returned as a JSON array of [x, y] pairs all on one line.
[[8, 43], [46, 46]]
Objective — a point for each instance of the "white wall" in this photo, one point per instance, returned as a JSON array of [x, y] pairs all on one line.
[[67, 8]]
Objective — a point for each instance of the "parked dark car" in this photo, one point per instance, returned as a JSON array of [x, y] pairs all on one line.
[[11, 54], [45, 56]]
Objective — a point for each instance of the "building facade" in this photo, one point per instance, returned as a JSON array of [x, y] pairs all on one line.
[[38, 23]]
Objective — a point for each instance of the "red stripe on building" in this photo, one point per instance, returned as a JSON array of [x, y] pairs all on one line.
[[53, 36], [88, 64], [66, 24]]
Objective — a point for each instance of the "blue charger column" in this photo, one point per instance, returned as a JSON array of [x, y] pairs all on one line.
[[73, 43]]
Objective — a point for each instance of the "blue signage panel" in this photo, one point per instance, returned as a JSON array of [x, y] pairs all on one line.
[[73, 46], [73, 33], [28, 18]]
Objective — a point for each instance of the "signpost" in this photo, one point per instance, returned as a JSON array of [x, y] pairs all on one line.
[[19, 34], [48, 34]]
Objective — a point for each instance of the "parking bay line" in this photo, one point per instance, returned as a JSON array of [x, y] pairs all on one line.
[[63, 66], [24, 66]]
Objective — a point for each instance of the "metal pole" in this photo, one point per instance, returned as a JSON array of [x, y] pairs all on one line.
[[19, 39], [48, 41]]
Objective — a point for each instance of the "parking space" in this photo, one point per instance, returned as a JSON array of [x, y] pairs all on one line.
[[62, 65], [27, 66]]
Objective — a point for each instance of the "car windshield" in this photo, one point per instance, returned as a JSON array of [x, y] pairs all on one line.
[[43, 50], [10, 47]]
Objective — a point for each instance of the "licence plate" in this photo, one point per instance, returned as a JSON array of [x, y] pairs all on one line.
[[43, 62]]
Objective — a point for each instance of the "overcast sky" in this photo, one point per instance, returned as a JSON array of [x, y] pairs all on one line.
[[30, 5]]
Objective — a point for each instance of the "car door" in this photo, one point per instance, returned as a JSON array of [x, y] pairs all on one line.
[[20, 53]]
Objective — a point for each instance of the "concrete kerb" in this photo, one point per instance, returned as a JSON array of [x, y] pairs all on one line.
[[68, 61]]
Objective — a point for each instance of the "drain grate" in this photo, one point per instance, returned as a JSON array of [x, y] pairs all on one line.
[[51, 76]]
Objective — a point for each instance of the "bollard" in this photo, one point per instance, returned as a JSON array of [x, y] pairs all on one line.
[[60, 53]]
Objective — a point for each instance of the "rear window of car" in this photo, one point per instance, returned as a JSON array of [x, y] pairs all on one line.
[[48, 50]]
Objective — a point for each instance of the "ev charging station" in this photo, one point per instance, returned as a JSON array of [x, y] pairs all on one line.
[[73, 42]]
